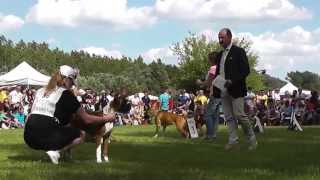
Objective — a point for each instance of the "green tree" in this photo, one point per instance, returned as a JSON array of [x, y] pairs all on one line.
[[192, 53], [272, 82], [305, 80]]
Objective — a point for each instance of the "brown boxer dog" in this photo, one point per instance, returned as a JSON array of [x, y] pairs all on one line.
[[101, 133], [166, 118]]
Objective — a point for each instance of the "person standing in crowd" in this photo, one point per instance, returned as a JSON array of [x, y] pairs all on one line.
[[184, 101], [276, 96], [103, 100], [28, 100], [250, 102], [146, 107], [301, 97], [164, 100], [171, 102], [211, 115], [201, 97], [45, 128], [233, 66], [15, 96]]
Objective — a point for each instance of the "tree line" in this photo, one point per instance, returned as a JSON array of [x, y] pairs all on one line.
[[103, 72]]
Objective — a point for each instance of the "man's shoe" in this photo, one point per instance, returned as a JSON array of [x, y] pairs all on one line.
[[229, 147], [253, 146], [54, 156]]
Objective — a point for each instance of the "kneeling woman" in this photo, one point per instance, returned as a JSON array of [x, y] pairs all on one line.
[[46, 127]]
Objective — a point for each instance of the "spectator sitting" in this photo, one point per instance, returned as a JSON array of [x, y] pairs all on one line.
[[183, 101], [312, 105], [18, 114], [7, 121], [6, 105], [286, 111], [3, 121]]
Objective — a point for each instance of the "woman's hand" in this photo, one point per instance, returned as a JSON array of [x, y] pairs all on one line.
[[199, 82], [110, 117]]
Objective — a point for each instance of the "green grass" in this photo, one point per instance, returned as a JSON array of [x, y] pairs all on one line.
[[281, 154]]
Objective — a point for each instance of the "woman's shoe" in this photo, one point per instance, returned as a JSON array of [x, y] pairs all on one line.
[[54, 156]]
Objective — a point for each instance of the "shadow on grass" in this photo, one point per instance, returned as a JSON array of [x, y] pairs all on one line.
[[165, 161], [137, 156]]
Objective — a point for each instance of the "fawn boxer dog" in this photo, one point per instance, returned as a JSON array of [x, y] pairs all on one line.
[[166, 118], [101, 133]]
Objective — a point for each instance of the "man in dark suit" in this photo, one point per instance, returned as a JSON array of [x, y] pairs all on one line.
[[233, 66]]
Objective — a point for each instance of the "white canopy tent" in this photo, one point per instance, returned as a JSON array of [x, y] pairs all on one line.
[[24, 74], [290, 88]]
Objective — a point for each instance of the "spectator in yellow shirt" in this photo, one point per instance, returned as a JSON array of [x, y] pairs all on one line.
[[201, 97], [3, 95]]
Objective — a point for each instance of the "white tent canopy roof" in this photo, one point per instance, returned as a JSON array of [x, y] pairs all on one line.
[[24, 74], [290, 88]]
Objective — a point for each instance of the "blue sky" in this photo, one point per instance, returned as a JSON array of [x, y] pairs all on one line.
[[285, 33]]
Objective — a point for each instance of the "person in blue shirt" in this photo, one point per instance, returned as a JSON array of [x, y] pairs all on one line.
[[164, 100], [19, 115]]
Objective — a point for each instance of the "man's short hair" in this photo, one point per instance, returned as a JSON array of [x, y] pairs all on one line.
[[228, 32]]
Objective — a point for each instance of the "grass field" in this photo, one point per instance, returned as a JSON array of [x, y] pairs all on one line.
[[281, 154]]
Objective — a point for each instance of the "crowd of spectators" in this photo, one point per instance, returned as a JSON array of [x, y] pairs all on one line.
[[15, 104], [269, 106], [273, 108]]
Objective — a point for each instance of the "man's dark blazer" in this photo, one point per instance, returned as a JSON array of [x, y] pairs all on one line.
[[236, 69]]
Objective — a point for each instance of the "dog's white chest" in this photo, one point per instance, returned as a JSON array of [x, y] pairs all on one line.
[[108, 126]]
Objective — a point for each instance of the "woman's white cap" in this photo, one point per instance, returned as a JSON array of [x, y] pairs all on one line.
[[68, 71]]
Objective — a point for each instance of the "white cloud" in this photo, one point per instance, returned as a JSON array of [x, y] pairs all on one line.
[[103, 13], [165, 54], [51, 40], [10, 22], [213, 10], [209, 34], [102, 52], [117, 15], [294, 49]]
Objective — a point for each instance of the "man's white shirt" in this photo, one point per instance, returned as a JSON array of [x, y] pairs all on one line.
[[223, 60]]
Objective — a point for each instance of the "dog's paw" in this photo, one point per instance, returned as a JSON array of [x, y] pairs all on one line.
[[99, 161], [106, 159], [155, 136]]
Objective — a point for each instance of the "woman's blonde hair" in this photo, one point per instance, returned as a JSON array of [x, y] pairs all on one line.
[[56, 80]]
